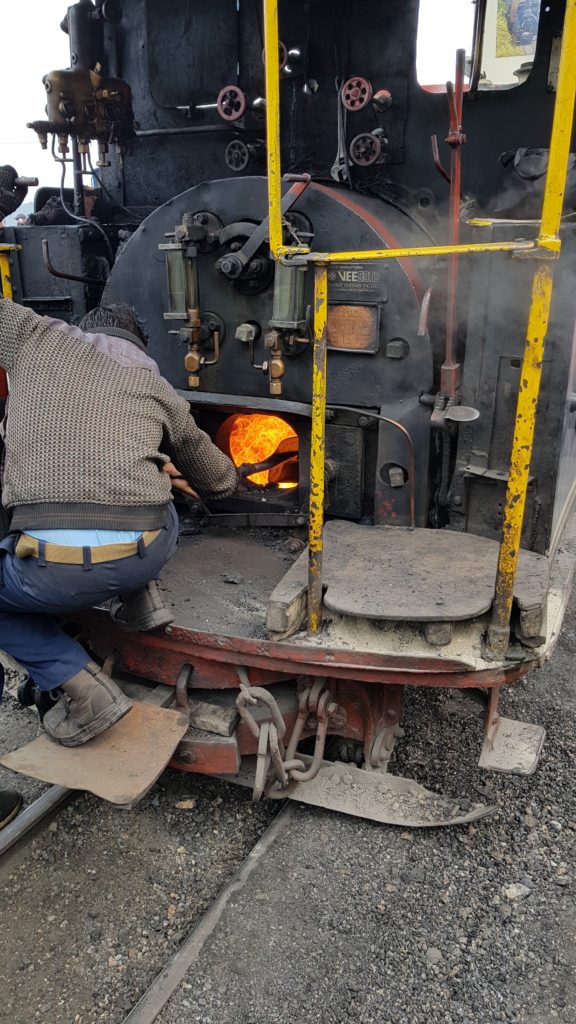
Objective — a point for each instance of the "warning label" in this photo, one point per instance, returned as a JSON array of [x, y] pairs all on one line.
[[358, 282]]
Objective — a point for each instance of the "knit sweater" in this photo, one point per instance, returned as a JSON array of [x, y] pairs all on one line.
[[91, 423]]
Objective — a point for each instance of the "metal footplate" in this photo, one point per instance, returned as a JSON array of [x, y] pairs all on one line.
[[387, 799], [382, 797], [513, 747]]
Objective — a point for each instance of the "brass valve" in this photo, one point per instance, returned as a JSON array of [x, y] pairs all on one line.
[[194, 360], [193, 363], [275, 365]]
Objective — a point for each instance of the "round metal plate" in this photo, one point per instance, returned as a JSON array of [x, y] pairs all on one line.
[[461, 414]]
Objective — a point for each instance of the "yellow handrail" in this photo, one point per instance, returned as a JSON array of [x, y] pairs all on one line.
[[531, 372], [546, 246], [289, 255], [5, 269], [317, 450], [272, 69]]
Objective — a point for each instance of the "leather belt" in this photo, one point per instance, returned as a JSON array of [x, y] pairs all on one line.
[[31, 547]]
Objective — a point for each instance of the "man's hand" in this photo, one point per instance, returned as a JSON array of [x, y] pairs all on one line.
[[179, 483]]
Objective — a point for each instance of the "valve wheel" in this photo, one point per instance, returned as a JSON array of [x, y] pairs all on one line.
[[356, 93], [282, 55], [237, 156], [231, 103], [365, 150]]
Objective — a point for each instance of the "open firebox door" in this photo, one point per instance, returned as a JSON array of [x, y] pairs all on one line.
[[265, 443]]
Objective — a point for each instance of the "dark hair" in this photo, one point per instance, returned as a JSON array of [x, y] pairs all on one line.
[[119, 316]]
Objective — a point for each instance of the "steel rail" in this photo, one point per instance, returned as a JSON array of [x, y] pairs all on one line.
[[531, 371], [154, 1000], [32, 815]]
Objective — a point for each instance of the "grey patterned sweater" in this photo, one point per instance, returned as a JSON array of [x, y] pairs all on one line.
[[90, 425]]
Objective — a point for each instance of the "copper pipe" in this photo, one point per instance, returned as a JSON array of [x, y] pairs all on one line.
[[437, 161], [455, 139]]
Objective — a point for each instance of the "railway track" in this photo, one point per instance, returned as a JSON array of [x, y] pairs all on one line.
[[321, 912], [167, 980], [44, 807], [173, 973]]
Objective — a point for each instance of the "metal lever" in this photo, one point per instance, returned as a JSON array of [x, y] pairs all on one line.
[[339, 170], [233, 263], [249, 468]]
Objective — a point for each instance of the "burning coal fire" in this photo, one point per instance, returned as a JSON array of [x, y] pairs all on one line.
[[254, 437]]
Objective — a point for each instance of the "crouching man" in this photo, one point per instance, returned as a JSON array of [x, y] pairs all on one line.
[[91, 428]]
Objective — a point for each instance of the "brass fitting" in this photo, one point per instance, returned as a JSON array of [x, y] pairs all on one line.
[[193, 363], [194, 323], [275, 373], [275, 365], [193, 360]]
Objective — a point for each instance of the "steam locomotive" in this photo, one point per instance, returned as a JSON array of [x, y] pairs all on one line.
[[417, 446]]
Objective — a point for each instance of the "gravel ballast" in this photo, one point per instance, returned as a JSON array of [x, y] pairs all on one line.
[[350, 921]]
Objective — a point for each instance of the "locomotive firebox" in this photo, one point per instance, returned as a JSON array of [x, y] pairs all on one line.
[[380, 346]]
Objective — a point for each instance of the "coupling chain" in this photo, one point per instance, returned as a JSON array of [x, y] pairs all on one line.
[[274, 758]]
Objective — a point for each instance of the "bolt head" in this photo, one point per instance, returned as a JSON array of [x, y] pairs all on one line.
[[397, 349], [186, 756]]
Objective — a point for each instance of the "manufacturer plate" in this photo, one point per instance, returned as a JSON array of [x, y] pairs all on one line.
[[353, 328], [358, 282]]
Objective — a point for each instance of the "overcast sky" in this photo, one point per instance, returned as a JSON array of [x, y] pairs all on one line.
[[33, 44]]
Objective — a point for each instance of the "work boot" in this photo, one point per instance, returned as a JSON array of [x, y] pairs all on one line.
[[141, 610], [10, 804], [91, 704], [29, 696]]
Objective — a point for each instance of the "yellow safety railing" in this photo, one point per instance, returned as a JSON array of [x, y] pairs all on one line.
[[546, 248], [317, 449], [5, 272]]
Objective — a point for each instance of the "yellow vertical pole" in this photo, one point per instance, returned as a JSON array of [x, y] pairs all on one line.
[[5, 278], [272, 74], [530, 374], [317, 450]]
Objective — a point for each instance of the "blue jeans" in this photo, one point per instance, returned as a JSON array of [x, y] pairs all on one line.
[[32, 593]]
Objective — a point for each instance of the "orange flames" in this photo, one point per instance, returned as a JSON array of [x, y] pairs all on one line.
[[254, 437]]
